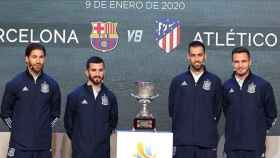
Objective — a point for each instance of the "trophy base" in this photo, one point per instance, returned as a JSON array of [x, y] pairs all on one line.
[[144, 123]]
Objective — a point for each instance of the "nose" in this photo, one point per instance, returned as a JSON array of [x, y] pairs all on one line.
[[196, 58], [239, 65], [37, 60], [97, 73]]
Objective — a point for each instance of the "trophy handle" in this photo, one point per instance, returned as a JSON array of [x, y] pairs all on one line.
[[139, 98], [154, 97], [135, 96]]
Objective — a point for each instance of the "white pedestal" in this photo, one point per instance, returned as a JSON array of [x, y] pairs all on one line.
[[144, 144]]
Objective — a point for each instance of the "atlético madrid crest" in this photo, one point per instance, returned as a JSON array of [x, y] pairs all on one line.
[[104, 36], [168, 34]]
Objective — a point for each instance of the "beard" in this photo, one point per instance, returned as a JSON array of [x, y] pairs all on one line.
[[197, 67], [96, 80], [243, 73], [36, 68]]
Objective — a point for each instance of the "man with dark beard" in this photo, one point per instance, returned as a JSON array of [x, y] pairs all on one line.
[[30, 107], [91, 114], [194, 106]]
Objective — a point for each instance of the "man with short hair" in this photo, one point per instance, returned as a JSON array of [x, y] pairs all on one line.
[[249, 108], [91, 114], [31, 106], [194, 106]]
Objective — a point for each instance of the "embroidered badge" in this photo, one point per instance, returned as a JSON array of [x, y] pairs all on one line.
[[11, 152], [45, 88], [104, 100], [206, 85], [251, 88]]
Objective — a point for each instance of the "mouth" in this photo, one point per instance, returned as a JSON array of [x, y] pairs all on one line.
[[38, 65]]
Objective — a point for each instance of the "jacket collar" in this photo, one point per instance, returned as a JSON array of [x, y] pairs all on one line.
[[89, 87], [28, 74], [188, 72], [248, 78]]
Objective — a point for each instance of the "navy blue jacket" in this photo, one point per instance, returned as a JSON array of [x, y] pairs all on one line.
[[32, 106], [195, 109], [89, 121], [249, 112]]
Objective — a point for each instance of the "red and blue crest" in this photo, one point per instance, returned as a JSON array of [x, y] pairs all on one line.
[[104, 36], [168, 34]]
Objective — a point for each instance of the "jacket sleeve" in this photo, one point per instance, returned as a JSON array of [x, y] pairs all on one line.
[[171, 98], [7, 106], [269, 106], [218, 100], [69, 116], [114, 114], [55, 103]]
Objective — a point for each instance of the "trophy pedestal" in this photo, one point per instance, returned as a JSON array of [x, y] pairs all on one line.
[[144, 123]]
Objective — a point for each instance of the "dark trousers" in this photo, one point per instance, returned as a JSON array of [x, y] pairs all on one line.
[[195, 152], [244, 154], [17, 153]]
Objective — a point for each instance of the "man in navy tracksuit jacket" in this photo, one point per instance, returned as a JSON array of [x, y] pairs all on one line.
[[194, 106], [249, 108], [91, 114], [30, 107]]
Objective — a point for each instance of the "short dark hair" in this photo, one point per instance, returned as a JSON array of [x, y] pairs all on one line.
[[95, 60], [196, 44], [33, 46], [240, 50]]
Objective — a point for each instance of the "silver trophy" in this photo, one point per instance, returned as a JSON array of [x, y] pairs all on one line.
[[145, 93]]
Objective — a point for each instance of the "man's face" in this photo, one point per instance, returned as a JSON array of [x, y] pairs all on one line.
[[95, 73], [35, 61], [241, 63], [196, 58]]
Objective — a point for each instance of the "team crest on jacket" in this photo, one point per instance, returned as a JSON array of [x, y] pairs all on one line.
[[168, 34], [45, 88], [104, 36], [207, 85], [11, 152], [104, 100], [251, 88]]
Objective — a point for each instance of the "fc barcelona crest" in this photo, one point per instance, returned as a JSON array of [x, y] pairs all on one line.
[[104, 36], [168, 34]]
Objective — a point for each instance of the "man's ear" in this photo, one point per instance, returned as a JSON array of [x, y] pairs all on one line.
[[86, 73], [26, 60], [250, 62], [187, 56]]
